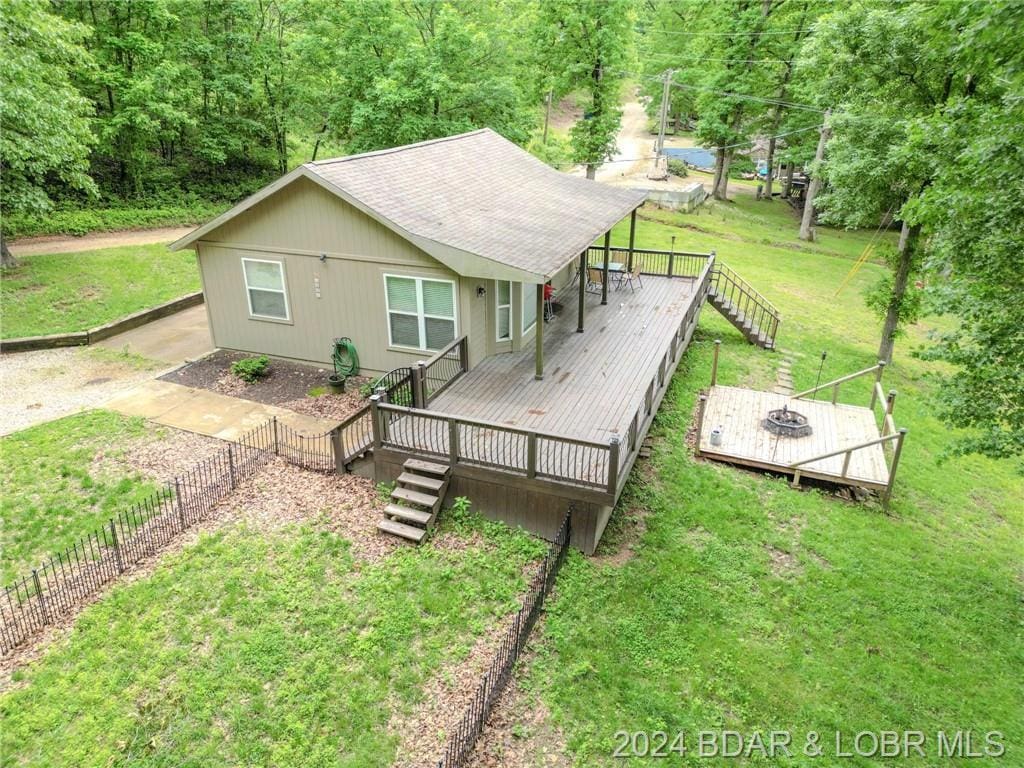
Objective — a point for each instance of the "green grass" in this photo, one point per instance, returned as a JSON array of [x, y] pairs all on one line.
[[262, 649], [68, 292], [906, 620], [51, 493]]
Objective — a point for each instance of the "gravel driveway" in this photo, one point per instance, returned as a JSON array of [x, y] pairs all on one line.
[[45, 385]]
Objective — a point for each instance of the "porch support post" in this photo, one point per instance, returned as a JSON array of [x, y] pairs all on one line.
[[538, 337], [632, 240], [607, 257], [583, 292]]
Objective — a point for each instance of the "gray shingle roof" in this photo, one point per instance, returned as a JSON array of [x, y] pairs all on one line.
[[482, 195]]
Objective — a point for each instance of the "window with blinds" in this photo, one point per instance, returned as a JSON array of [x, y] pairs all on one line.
[[504, 310], [529, 306], [421, 312], [265, 288]]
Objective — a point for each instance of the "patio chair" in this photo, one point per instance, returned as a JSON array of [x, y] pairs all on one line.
[[595, 279], [629, 277]]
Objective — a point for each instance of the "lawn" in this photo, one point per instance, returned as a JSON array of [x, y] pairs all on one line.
[[256, 648], [751, 606], [51, 490], [68, 292]]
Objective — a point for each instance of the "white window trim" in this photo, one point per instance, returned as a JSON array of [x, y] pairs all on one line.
[[284, 291], [527, 290], [419, 314], [497, 311]]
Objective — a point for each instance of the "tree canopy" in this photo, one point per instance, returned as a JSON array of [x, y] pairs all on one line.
[[45, 131]]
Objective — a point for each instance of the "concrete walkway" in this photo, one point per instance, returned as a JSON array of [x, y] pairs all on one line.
[[173, 339], [208, 413]]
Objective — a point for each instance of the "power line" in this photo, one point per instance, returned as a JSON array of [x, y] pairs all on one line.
[[729, 94], [673, 57], [721, 34], [715, 149], [733, 95]]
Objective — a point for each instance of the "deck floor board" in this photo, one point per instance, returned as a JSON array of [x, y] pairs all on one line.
[[595, 381]]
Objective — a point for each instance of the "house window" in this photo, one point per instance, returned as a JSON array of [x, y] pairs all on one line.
[[421, 312], [504, 310], [529, 306], [264, 285]]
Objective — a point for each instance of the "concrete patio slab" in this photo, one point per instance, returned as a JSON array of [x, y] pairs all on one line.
[[173, 339], [208, 413]]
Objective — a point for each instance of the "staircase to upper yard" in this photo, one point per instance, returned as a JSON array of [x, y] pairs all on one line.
[[416, 500], [741, 304]]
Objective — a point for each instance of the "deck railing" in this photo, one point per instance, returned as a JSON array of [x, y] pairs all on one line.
[[353, 437], [522, 452], [435, 375], [660, 380], [890, 437], [651, 262]]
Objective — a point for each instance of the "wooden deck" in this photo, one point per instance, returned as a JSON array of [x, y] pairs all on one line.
[[594, 382], [740, 412]]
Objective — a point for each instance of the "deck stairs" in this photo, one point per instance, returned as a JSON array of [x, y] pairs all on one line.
[[416, 500], [743, 306]]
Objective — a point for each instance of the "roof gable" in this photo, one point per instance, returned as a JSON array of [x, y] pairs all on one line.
[[476, 202]]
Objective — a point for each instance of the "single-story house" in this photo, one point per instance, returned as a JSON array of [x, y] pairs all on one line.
[[437, 260], [401, 250]]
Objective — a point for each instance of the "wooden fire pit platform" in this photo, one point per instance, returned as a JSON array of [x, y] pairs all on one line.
[[837, 428]]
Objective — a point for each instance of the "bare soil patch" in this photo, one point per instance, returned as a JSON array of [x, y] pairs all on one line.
[[288, 385], [349, 505], [161, 455], [783, 563], [520, 732], [28, 246]]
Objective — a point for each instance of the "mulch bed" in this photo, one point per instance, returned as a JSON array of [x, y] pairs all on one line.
[[287, 384]]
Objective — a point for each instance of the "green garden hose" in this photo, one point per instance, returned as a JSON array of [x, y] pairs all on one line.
[[346, 361]]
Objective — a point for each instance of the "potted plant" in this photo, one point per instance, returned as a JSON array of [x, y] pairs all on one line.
[[336, 382]]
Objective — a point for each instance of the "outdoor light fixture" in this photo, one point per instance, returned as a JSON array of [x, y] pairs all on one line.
[[481, 291], [323, 257]]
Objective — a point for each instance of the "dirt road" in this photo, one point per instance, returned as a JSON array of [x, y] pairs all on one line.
[[29, 246], [635, 146]]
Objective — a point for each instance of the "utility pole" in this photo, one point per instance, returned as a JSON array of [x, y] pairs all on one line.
[[815, 186], [662, 120], [547, 113]]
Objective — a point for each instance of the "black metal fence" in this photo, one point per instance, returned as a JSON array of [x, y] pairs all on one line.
[[60, 584], [463, 739]]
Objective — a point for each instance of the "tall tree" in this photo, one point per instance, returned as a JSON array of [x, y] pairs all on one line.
[[886, 69], [421, 69], [586, 45], [973, 213], [44, 121]]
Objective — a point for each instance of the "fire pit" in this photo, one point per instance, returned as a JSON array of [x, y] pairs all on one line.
[[787, 423]]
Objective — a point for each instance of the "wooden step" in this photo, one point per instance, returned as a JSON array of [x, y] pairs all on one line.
[[409, 515], [414, 497], [420, 481], [426, 467], [409, 532]]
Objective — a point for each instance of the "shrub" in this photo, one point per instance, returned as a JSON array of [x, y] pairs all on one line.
[[677, 167], [251, 369]]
